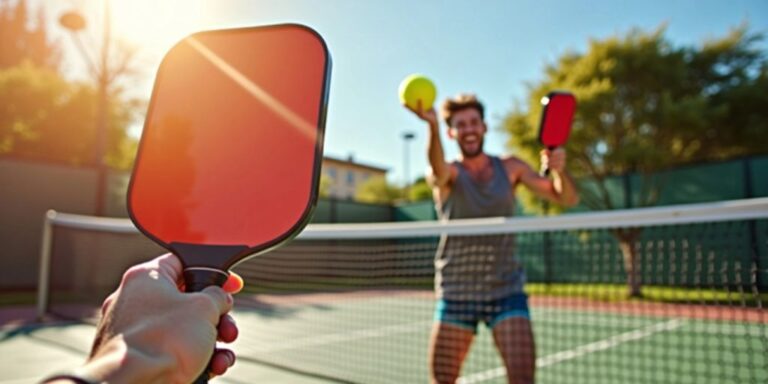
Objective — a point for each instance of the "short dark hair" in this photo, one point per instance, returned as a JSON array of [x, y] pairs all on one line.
[[461, 102]]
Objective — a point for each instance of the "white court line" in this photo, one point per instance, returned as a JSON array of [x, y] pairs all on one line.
[[703, 326], [583, 320], [344, 337], [627, 322], [580, 351]]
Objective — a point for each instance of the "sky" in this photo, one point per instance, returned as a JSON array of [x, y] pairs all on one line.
[[491, 48]]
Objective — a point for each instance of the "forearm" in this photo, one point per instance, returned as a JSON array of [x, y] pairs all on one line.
[[564, 188], [436, 155], [117, 363]]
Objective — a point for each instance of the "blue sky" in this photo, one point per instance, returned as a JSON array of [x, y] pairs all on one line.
[[491, 48]]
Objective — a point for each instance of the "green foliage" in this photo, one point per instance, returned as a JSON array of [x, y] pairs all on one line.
[[376, 190], [645, 105], [46, 117], [121, 147], [420, 191], [27, 97], [325, 186]]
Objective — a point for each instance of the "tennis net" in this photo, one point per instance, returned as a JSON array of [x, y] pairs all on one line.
[[355, 303]]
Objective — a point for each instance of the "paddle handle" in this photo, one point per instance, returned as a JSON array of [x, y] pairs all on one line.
[[195, 280], [545, 170], [203, 378]]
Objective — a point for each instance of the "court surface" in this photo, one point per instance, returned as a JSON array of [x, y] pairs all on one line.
[[382, 338]]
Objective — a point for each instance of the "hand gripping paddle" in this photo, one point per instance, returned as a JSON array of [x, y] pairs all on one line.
[[556, 119], [229, 160]]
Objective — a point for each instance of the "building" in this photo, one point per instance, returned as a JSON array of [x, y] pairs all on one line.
[[344, 176]]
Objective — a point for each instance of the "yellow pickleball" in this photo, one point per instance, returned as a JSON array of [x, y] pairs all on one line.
[[417, 87]]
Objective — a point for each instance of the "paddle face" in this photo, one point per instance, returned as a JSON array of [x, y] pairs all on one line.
[[229, 159], [556, 118]]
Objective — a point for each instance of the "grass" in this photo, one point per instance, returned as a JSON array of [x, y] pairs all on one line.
[[650, 293]]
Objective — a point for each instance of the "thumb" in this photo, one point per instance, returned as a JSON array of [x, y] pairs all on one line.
[[213, 302]]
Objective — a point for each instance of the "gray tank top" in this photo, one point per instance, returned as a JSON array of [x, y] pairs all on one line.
[[472, 268]]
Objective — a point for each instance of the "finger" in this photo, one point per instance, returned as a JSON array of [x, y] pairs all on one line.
[[416, 111], [227, 329], [108, 303], [234, 283], [221, 360], [170, 267], [214, 304]]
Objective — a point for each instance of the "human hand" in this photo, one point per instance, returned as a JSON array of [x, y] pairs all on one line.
[[152, 332], [554, 159], [428, 115]]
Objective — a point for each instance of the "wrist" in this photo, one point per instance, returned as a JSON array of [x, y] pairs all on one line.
[[115, 362]]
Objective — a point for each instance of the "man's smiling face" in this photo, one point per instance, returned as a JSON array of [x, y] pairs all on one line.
[[468, 129]]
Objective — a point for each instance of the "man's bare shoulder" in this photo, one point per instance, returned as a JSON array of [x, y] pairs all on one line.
[[515, 167], [511, 161]]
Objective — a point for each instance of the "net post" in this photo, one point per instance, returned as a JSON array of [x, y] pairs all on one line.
[[43, 281]]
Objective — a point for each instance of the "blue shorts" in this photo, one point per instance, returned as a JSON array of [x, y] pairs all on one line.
[[467, 314]]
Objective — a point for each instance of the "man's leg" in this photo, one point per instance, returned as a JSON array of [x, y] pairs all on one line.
[[448, 346], [514, 339]]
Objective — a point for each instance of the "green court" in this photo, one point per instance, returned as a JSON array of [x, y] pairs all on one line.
[[384, 339], [381, 337]]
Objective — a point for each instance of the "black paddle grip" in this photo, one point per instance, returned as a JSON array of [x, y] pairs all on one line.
[[195, 280], [545, 171]]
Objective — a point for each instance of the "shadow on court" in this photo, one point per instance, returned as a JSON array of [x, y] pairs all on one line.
[[32, 349]]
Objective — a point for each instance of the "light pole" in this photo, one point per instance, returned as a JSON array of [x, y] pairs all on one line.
[[407, 137], [74, 22]]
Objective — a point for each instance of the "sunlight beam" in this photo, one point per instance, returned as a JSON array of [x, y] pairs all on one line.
[[292, 118]]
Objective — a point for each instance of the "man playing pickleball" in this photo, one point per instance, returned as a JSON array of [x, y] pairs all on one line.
[[479, 279]]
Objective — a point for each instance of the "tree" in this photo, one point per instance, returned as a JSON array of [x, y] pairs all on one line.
[[22, 41], [645, 105], [46, 117], [377, 190], [420, 190], [324, 189]]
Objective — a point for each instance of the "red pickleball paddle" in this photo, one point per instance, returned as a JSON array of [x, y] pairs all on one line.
[[556, 120], [228, 165]]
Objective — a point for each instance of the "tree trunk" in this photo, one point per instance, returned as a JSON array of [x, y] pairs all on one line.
[[627, 240]]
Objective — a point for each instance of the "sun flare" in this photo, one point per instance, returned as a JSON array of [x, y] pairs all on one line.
[[154, 26]]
